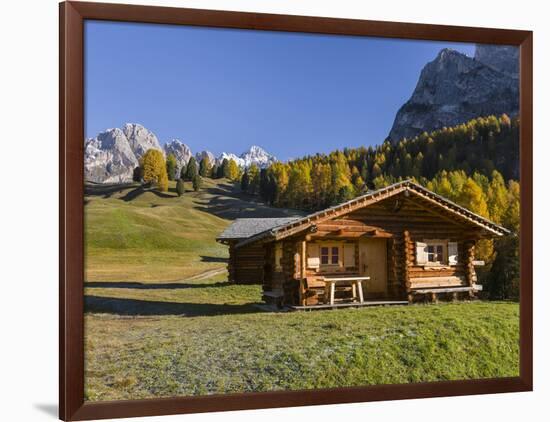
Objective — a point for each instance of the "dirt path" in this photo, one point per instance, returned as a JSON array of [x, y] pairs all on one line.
[[206, 274]]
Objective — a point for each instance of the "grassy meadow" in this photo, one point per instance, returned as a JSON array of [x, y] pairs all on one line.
[[161, 319]]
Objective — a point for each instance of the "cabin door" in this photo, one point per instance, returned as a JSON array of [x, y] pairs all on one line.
[[372, 263]]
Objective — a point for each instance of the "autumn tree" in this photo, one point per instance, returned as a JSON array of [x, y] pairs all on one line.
[[299, 185], [153, 168], [254, 179], [321, 180], [230, 169], [497, 197], [279, 174], [205, 167]]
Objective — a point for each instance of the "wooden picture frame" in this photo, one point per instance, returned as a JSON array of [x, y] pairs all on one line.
[[71, 223]]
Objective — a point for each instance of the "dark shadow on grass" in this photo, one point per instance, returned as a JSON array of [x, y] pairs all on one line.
[[162, 194], [133, 307], [104, 189], [151, 286], [205, 258], [133, 194], [231, 208]]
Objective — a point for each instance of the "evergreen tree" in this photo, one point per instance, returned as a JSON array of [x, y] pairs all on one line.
[[214, 171], [264, 184], [245, 181], [183, 171], [180, 187], [137, 175], [197, 182], [222, 169], [192, 169], [171, 166]]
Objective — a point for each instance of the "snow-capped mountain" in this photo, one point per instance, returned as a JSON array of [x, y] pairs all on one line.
[[257, 155], [230, 156], [112, 155]]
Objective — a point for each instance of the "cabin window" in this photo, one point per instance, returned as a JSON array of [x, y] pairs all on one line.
[[330, 255], [334, 255], [435, 253]]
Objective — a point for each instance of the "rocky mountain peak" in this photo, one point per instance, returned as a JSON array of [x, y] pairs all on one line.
[[502, 58], [200, 155], [108, 158], [112, 155], [180, 150], [141, 139], [452, 89]]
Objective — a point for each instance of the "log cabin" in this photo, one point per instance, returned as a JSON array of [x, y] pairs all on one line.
[[405, 242]]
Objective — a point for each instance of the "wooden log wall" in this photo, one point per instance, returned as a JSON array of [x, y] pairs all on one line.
[[409, 220], [289, 281], [402, 220], [408, 259], [246, 264], [468, 249]]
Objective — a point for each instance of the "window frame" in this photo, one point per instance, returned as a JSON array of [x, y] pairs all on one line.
[[444, 252], [330, 248]]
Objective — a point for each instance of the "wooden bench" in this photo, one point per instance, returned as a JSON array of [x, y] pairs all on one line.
[[356, 287], [330, 283], [434, 292]]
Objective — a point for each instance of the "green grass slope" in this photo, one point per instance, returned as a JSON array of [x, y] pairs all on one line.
[[132, 234]]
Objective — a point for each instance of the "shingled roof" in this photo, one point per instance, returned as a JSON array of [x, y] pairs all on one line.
[[254, 229], [243, 228]]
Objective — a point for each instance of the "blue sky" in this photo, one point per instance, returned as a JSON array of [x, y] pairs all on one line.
[[224, 89]]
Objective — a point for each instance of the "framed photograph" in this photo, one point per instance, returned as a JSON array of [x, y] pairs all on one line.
[[269, 210]]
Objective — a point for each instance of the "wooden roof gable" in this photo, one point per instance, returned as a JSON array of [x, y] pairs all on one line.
[[408, 187]]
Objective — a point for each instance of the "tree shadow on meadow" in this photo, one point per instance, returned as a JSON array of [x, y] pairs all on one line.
[[205, 258], [134, 307], [231, 208], [105, 190], [151, 286]]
